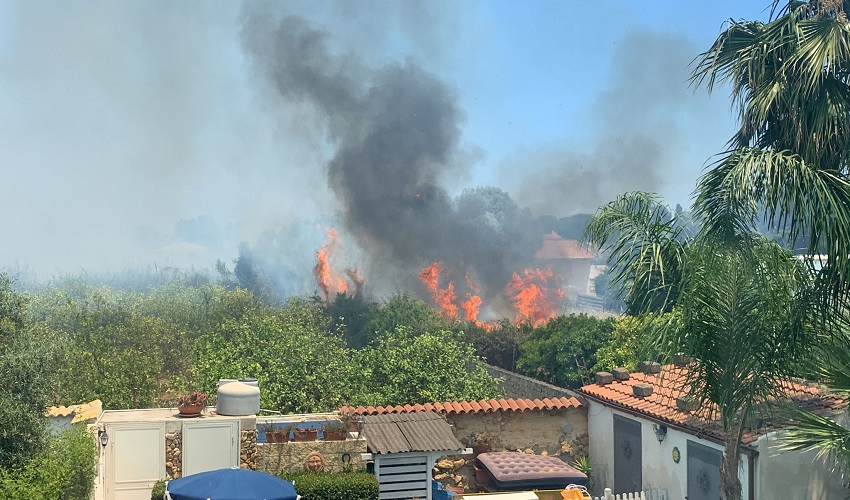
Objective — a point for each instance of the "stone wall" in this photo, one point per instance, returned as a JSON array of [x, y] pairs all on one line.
[[514, 385], [332, 456], [561, 433], [173, 448], [249, 457]]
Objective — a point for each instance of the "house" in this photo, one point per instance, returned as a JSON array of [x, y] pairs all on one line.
[[645, 433], [570, 260]]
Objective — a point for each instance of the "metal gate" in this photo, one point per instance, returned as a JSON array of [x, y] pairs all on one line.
[[703, 472], [210, 445], [628, 474], [135, 459]]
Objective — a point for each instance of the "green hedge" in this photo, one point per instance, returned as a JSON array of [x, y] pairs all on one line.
[[334, 485], [65, 469]]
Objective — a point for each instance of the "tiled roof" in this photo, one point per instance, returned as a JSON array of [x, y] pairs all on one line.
[[81, 412], [457, 407], [409, 432], [668, 385], [555, 247]]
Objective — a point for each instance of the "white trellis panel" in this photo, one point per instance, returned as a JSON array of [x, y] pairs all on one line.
[[638, 495]]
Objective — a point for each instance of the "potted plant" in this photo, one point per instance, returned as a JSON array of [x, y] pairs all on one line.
[[192, 403], [281, 433], [277, 433], [335, 430], [350, 420], [301, 434]]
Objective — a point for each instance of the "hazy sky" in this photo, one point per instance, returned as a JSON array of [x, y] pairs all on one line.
[[133, 132]]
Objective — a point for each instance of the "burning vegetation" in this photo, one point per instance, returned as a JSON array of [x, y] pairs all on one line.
[[330, 282], [535, 294]]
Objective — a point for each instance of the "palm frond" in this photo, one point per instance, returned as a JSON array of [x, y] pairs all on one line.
[[645, 245], [819, 432], [794, 196]]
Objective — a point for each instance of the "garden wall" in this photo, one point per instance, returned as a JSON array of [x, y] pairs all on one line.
[[331, 456], [552, 432], [514, 385]]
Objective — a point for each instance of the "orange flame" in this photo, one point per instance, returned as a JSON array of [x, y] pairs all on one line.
[[329, 283], [470, 308], [533, 299], [444, 298]]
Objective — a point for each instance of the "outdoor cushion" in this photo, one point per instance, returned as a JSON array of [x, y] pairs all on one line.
[[516, 471]]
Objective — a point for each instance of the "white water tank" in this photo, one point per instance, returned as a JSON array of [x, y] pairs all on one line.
[[238, 398]]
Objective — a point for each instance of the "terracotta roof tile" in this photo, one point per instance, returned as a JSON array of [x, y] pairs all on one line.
[[555, 247], [670, 384], [79, 413], [461, 407]]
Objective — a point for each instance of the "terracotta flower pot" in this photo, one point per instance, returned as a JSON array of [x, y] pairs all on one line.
[[270, 437], [335, 435], [190, 409], [281, 436], [302, 435]]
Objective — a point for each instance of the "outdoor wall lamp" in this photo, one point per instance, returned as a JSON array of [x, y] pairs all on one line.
[[103, 437], [660, 432]]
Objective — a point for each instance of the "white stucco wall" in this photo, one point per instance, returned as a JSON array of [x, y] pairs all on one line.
[[795, 475], [658, 468]]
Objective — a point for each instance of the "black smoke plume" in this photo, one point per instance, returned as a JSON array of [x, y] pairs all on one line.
[[395, 133]]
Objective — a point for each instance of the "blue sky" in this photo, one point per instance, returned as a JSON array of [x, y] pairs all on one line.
[[119, 119]]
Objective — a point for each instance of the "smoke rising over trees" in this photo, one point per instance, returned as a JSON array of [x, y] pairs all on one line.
[[232, 123]]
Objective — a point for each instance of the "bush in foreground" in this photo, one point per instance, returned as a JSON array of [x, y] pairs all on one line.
[[65, 469], [334, 485]]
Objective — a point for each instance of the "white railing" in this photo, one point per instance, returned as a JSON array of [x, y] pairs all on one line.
[[638, 495]]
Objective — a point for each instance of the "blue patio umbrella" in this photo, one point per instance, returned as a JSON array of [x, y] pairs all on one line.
[[230, 484]]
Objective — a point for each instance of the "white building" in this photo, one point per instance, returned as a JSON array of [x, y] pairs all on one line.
[[639, 442]]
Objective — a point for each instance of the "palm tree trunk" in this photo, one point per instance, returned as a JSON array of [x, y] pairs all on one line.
[[730, 483]]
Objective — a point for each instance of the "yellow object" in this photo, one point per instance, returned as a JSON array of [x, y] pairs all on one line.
[[573, 492]]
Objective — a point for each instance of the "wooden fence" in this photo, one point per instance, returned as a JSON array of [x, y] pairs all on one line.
[[639, 495]]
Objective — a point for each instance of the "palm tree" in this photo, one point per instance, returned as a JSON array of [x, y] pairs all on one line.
[[788, 162], [737, 307], [645, 242]]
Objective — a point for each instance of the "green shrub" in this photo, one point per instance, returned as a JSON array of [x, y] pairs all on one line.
[[158, 491], [65, 469], [334, 485]]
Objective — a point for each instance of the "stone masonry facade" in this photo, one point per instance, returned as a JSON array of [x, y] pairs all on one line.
[[331, 456], [561, 433], [514, 385]]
